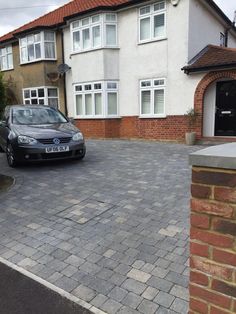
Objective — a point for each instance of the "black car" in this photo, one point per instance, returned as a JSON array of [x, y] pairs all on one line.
[[37, 133]]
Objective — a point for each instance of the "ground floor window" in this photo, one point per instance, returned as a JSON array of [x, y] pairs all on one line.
[[96, 99], [41, 96], [152, 97]]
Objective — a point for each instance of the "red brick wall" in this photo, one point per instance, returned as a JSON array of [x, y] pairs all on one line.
[[213, 242], [170, 128]]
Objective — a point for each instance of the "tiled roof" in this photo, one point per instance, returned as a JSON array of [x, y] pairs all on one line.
[[212, 57], [57, 16]]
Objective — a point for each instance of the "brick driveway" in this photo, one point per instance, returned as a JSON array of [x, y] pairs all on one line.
[[112, 229]]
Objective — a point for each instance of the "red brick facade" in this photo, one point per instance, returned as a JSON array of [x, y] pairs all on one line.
[[172, 128], [213, 239]]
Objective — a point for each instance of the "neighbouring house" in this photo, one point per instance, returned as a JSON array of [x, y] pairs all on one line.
[[134, 67]]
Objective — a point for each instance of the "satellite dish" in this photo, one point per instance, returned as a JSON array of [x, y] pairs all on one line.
[[63, 68]]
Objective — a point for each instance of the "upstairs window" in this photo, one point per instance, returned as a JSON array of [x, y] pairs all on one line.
[[6, 58], [222, 40], [152, 98], [94, 32], [38, 46], [152, 22]]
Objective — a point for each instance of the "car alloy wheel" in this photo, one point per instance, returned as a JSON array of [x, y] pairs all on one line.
[[11, 156]]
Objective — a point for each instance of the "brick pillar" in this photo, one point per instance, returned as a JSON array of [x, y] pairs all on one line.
[[213, 231]]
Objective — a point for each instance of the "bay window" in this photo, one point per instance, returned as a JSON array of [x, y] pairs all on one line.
[[93, 32], [152, 22], [152, 98], [6, 58], [41, 96], [38, 46], [96, 100]]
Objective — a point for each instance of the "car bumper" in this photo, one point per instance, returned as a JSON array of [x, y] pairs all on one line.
[[38, 152]]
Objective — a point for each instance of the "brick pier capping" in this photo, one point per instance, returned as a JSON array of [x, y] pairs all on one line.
[[213, 231]]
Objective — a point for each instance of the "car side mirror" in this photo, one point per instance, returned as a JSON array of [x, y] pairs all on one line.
[[72, 120]]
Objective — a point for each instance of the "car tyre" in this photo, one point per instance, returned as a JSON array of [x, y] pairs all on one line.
[[1, 150], [11, 160]]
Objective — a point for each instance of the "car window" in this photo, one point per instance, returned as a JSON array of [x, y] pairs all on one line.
[[28, 116]]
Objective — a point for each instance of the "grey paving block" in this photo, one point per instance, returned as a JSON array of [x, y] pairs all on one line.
[[148, 307], [66, 283], [111, 306], [117, 294], [84, 293], [180, 306], [164, 299], [132, 300], [160, 284], [134, 286], [150, 293]]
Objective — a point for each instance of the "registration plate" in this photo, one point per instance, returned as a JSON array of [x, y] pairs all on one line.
[[57, 149]]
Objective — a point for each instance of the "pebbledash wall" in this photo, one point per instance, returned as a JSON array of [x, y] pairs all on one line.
[[213, 231]]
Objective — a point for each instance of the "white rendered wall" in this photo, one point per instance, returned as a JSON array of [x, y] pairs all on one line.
[[209, 111], [133, 62], [204, 29]]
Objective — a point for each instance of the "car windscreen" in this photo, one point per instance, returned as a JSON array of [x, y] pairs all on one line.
[[36, 116]]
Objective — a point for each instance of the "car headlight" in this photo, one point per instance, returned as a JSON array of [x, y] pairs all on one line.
[[22, 139], [77, 137]]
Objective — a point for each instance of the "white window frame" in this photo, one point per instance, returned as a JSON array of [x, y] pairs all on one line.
[[42, 47], [104, 91], [6, 52], [152, 15], [45, 98], [152, 88], [77, 26]]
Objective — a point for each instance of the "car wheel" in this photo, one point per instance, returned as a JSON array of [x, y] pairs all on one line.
[[11, 160], [1, 150]]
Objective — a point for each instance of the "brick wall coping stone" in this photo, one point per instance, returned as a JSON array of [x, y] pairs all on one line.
[[220, 156]]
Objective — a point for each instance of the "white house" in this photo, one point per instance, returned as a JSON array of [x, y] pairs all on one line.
[[126, 78]]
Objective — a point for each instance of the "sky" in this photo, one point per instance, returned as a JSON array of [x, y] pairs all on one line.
[[15, 13]]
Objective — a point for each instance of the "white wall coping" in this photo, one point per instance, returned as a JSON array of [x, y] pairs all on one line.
[[220, 156]]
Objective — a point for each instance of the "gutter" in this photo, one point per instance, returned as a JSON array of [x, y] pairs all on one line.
[[209, 68]]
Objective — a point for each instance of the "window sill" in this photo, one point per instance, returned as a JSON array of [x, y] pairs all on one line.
[[5, 70], [160, 116], [38, 60], [151, 41], [95, 49]]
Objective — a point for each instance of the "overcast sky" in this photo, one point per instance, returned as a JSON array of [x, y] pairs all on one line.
[[14, 13]]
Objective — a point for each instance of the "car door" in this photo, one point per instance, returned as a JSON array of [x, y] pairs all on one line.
[[4, 128]]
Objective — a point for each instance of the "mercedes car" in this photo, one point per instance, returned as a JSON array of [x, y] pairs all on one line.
[[37, 133]]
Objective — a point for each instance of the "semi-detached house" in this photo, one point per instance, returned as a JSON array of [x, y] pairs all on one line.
[[133, 68]]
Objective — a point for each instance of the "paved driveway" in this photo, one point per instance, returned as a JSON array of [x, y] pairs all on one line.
[[112, 229]]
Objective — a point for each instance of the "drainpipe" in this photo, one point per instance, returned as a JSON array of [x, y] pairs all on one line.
[[64, 75]]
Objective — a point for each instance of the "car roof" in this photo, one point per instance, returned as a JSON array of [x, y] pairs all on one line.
[[29, 107]]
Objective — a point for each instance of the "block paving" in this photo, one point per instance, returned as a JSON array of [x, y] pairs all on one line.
[[112, 229]]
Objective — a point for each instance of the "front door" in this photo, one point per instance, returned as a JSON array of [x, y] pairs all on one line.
[[225, 116]]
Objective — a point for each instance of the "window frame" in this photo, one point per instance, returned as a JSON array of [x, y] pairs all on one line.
[[6, 55], [151, 15], [102, 23], [152, 88], [42, 43], [104, 91], [45, 98]]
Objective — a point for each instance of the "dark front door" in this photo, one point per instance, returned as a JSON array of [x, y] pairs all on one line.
[[225, 118]]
